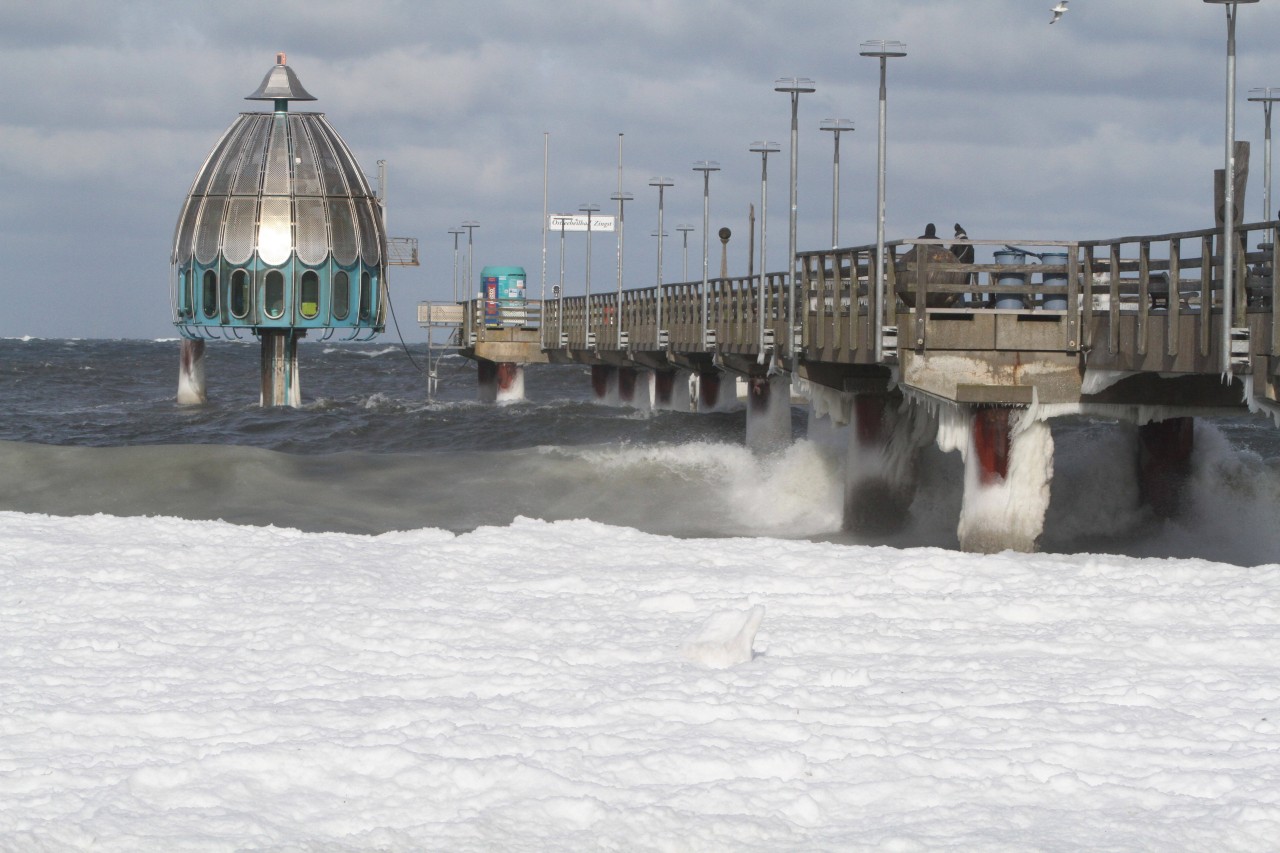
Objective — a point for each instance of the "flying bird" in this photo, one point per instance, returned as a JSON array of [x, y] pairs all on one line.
[[1058, 11]]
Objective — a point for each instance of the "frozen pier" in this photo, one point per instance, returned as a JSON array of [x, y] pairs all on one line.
[[926, 348]]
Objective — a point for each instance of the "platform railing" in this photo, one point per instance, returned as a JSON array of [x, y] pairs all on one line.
[[1067, 296]]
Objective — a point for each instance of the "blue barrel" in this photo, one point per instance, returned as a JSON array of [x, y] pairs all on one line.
[[504, 296], [1055, 302], [1009, 300]]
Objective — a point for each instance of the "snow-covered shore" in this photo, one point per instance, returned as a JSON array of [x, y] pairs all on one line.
[[182, 685]]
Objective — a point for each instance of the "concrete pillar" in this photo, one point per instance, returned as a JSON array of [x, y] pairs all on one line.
[[280, 381], [709, 388], [627, 384], [1008, 470], [885, 439], [1164, 463], [191, 388], [499, 381], [670, 390], [604, 382], [768, 413]]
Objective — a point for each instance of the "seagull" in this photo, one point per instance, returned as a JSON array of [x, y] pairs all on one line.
[[1058, 11]]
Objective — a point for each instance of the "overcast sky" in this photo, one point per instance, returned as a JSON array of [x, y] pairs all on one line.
[[1108, 123]]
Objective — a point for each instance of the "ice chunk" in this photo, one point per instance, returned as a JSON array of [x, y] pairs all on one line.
[[725, 639]]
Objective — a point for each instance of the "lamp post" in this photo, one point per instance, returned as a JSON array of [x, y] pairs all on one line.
[[795, 86], [1229, 187], [685, 229], [456, 232], [471, 225], [621, 198], [764, 149], [706, 167], [883, 50], [661, 184], [1267, 97], [588, 209], [560, 341], [837, 126]]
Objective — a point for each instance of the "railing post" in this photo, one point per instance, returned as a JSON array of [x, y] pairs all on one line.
[[921, 293], [1174, 305], [1206, 294], [837, 301], [1072, 325], [1113, 332], [1144, 295], [812, 292]]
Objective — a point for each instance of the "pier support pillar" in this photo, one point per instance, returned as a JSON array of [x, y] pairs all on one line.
[[1008, 469], [1164, 463], [191, 388], [499, 381], [768, 413], [280, 380], [670, 390], [885, 441], [627, 384], [604, 381], [709, 390]]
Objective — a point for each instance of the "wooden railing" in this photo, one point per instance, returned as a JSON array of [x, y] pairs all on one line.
[[1083, 300]]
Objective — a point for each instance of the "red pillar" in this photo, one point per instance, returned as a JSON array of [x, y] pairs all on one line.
[[627, 384], [869, 418], [664, 383], [1164, 463], [600, 376], [708, 390], [991, 441], [507, 372], [758, 398]]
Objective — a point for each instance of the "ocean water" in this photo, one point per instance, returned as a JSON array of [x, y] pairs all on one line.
[[92, 427]]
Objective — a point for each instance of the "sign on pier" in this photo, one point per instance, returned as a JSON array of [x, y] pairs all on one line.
[[578, 222]]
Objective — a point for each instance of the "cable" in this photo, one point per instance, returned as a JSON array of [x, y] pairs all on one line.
[[395, 322]]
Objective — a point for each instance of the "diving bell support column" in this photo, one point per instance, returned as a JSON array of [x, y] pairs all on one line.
[[191, 388], [280, 382]]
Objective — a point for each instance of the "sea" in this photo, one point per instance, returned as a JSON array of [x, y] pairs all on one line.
[[93, 426]]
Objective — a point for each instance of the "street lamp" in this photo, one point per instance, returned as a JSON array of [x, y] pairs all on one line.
[[795, 86], [560, 288], [883, 50], [1229, 188], [621, 198], [471, 225], [588, 209], [706, 167], [837, 126], [456, 232], [764, 149], [685, 229], [661, 184], [1267, 97]]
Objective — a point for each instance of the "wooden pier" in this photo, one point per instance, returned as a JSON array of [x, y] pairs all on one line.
[[1137, 329]]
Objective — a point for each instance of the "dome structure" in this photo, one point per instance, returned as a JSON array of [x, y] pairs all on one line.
[[280, 229]]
